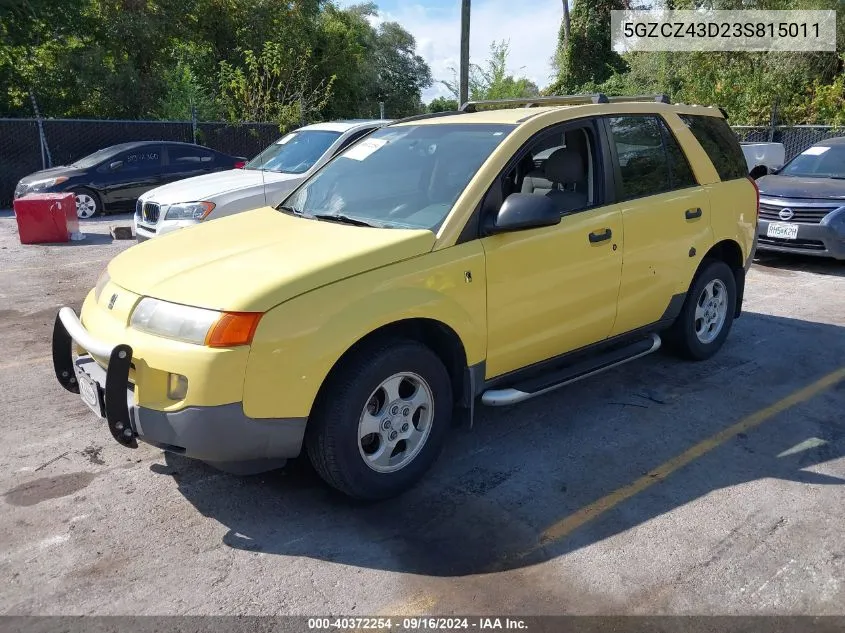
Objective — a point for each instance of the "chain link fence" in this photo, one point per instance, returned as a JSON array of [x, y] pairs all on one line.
[[24, 149]]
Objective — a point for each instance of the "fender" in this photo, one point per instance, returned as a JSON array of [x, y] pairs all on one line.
[[298, 342]]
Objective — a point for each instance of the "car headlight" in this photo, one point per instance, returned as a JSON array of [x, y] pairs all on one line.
[[189, 211], [101, 283], [40, 185], [194, 325]]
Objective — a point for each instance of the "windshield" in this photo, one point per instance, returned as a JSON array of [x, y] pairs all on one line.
[[820, 161], [95, 158], [294, 153], [406, 176]]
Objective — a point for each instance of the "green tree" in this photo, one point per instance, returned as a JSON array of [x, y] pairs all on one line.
[[492, 79], [587, 56], [276, 85], [442, 104], [396, 74]]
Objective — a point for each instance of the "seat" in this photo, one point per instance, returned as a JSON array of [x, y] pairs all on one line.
[[563, 168]]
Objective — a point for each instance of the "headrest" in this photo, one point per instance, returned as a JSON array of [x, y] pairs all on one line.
[[564, 166]]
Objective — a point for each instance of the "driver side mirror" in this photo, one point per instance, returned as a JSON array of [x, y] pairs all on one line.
[[116, 165], [522, 211]]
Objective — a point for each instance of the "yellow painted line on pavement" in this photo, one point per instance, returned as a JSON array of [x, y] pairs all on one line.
[[566, 526], [54, 266], [28, 361]]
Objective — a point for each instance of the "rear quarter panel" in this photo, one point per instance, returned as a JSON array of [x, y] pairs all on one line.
[[733, 204]]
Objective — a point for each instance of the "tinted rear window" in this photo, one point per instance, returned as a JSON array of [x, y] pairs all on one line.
[[720, 143]]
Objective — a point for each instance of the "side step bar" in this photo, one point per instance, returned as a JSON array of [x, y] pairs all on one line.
[[531, 388]]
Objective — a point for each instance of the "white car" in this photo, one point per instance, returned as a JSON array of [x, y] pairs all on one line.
[[265, 180]]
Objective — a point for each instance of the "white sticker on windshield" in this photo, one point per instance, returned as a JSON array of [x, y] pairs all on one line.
[[285, 138], [814, 151], [364, 148]]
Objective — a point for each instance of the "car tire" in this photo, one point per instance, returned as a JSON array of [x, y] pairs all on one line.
[[88, 203], [707, 315], [381, 419]]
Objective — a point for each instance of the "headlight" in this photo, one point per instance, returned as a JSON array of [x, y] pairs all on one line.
[[194, 325], [41, 185], [189, 211], [101, 283]]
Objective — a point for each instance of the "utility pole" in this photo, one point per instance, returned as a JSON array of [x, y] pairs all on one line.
[[464, 78], [565, 22]]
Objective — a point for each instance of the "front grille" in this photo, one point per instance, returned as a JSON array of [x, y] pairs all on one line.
[[802, 215], [808, 245], [150, 212]]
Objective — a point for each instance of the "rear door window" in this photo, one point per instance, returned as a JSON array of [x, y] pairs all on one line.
[[720, 143]]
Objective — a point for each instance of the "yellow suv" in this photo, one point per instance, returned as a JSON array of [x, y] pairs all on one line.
[[493, 253]]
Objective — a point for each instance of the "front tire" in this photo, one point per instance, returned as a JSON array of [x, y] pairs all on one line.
[[707, 316], [87, 203], [381, 420]]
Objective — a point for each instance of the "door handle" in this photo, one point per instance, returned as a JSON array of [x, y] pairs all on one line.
[[600, 236], [691, 214]]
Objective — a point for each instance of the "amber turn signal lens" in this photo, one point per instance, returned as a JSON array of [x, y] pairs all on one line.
[[232, 329]]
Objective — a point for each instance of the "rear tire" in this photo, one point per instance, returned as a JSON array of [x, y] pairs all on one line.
[[707, 315], [88, 203], [381, 419]]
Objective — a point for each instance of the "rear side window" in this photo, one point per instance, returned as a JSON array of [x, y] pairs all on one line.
[[642, 159], [720, 144]]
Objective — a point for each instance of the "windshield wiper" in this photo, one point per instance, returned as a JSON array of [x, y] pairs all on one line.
[[343, 219]]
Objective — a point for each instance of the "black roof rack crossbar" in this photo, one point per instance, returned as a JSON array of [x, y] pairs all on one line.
[[530, 102]]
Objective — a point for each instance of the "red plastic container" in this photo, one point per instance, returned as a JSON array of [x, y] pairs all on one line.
[[46, 217]]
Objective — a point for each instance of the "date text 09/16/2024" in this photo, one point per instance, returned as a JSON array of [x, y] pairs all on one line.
[[415, 624]]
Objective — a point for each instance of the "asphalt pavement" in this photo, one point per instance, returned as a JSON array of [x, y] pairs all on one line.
[[660, 487]]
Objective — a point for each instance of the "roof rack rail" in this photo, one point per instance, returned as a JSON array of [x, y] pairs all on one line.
[[428, 115], [530, 102]]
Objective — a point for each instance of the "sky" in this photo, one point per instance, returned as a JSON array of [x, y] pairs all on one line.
[[436, 26]]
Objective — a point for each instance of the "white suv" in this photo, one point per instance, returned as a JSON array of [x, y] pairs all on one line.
[[265, 180]]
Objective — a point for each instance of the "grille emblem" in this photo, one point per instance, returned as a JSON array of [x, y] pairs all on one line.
[[786, 214], [112, 301]]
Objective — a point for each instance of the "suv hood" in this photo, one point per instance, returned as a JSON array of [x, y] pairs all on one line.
[[209, 186], [256, 260], [798, 187]]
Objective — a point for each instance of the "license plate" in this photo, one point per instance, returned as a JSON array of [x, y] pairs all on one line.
[[782, 230], [90, 392]]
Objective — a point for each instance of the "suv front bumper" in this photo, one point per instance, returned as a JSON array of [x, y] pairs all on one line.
[[219, 435]]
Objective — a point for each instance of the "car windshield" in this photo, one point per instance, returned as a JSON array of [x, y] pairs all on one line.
[[406, 176], [820, 161], [294, 153], [94, 159]]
